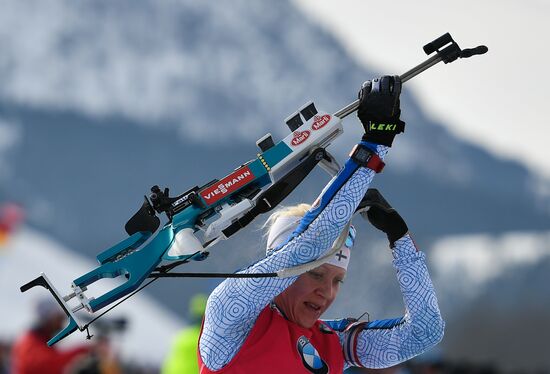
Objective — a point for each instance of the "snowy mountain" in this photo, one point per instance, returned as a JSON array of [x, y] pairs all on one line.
[[201, 65], [99, 108], [100, 100]]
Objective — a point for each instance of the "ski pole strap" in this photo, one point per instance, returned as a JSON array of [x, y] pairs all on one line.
[[365, 157]]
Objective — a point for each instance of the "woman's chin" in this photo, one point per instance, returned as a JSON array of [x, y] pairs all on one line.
[[307, 319], [305, 324]]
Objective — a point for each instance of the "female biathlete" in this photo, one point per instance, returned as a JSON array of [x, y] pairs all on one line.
[[272, 325]]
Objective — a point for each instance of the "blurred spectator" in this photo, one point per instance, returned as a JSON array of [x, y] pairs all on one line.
[[103, 359], [11, 216], [30, 353], [182, 358], [4, 357]]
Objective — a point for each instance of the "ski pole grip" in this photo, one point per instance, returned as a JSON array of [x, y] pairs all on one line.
[[469, 52]]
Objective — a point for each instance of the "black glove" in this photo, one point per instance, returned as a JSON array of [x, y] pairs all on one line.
[[379, 109], [382, 216]]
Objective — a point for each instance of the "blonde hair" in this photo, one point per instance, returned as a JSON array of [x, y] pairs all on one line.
[[297, 211], [289, 217]]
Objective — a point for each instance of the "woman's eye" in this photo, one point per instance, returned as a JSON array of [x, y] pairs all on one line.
[[316, 275]]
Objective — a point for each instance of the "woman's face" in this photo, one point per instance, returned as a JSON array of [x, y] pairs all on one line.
[[311, 294]]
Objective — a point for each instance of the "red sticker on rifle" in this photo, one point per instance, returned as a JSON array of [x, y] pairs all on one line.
[[300, 137], [227, 185], [320, 121]]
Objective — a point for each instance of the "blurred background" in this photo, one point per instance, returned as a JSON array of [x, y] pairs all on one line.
[[100, 100]]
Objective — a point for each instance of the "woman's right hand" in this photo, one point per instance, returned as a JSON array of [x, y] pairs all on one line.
[[379, 109]]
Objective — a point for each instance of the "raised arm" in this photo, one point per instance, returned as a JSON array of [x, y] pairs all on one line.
[[385, 343]]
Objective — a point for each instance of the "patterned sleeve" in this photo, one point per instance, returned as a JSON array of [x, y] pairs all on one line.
[[383, 343], [235, 304]]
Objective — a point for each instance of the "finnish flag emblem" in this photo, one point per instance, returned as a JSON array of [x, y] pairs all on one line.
[[310, 357]]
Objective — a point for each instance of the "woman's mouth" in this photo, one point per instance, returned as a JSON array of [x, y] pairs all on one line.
[[313, 307]]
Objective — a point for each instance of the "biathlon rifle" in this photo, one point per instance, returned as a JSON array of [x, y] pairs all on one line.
[[202, 216]]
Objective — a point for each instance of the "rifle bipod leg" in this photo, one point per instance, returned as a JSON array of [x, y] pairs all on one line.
[[135, 266], [43, 281], [119, 260]]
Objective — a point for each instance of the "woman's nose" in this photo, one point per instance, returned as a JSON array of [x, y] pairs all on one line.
[[326, 290]]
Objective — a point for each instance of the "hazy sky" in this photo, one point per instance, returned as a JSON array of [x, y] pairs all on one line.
[[497, 100]]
